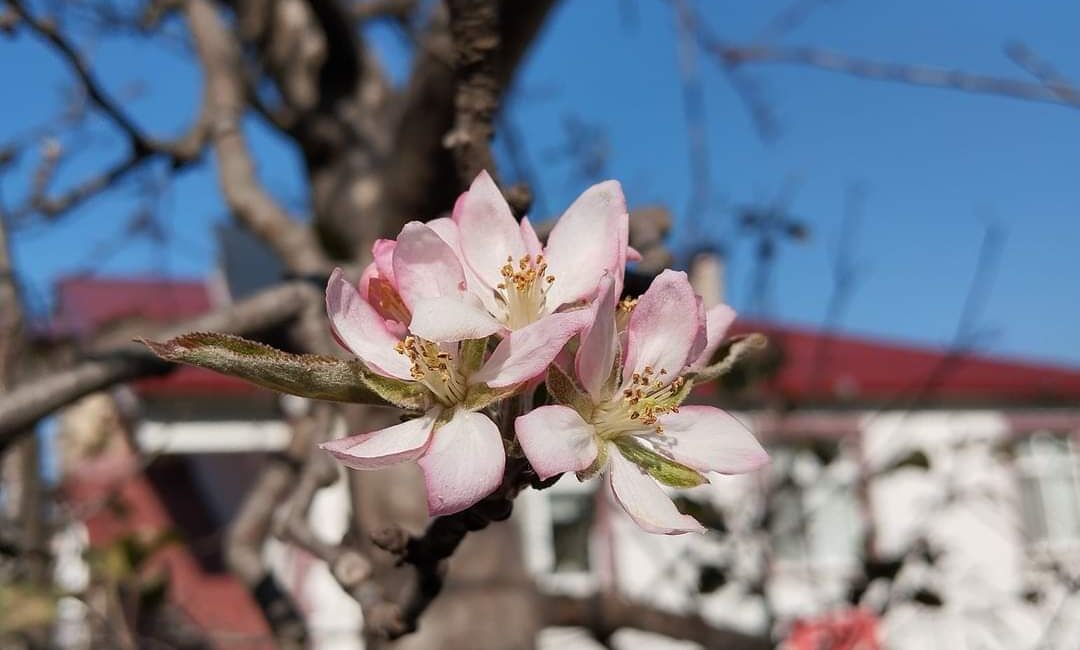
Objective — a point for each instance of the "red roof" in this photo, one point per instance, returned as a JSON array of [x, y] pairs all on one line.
[[816, 367], [85, 305]]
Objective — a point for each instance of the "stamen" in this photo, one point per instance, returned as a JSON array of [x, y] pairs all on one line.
[[522, 293], [434, 368]]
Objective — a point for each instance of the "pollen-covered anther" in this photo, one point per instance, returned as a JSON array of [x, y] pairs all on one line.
[[431, 366], [522, 292]]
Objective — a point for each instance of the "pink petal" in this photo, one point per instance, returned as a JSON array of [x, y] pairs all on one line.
[[370, 271], [717, 321], [489, 233], [709, 439], [644, 500], [459, 206], [585, 244], [463, 464], [555, 440], [448, 230], [596, 354], [528, 235], [700, 339], [383, 251], [622, 227], [397, 444], [664, 326], [446, 319], [360, 328], [425, 266], [526, 352]]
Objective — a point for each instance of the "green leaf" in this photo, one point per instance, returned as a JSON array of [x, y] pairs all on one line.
[[306, 375], [472, 355], [482, 396], [658, 466], [564, 390], [729, 355]]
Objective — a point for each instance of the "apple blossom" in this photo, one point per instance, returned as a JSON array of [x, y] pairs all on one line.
[[457, 315], [625, 418], [517, 288], [458, 448]]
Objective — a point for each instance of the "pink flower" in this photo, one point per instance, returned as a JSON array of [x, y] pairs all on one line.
[[852, 629], [625, 419], [459, 449], [516, 288]]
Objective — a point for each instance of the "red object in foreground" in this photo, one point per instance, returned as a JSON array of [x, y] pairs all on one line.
[[853, 629]]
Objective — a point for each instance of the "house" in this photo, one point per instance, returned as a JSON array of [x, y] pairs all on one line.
[[955, 472]]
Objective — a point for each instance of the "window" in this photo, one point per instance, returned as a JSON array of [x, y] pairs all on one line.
[[571, 521], [557, 526], [1050, 491], [815, 514]]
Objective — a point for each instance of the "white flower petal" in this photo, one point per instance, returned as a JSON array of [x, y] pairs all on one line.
[[425, 266], [447, 319], [596, 354], [397, 444], [526, 353], [555, 440], [584, 244], [489, 233], [463, 464], [644, 500], [710, 440], [665, 327]]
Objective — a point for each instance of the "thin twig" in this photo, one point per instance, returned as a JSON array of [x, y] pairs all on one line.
[[734, 55]]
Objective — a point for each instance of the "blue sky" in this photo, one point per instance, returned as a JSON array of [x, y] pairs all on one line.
[[936, 165]]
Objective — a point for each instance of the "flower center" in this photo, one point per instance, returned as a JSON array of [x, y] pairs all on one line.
[[642, 402], [435, 368], [523, 291]]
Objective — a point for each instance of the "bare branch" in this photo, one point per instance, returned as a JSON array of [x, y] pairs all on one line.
[[427, 112], [474, 27], [917, 75], [251, 528], [47, 30], [182, 151], [427, 554], [35, 399], [226, 97], [399, 10], [604, 614], [1027, 59]]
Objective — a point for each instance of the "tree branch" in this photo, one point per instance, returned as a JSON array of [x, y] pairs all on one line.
[[474, 27], [604, 614], [427, 112], [377, 9], [1052, 92], [35, 399], [181, 151], [48, 31], [427, 554], [218, 52]]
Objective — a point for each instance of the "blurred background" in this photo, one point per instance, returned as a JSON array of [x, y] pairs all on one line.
[[885, 189]]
